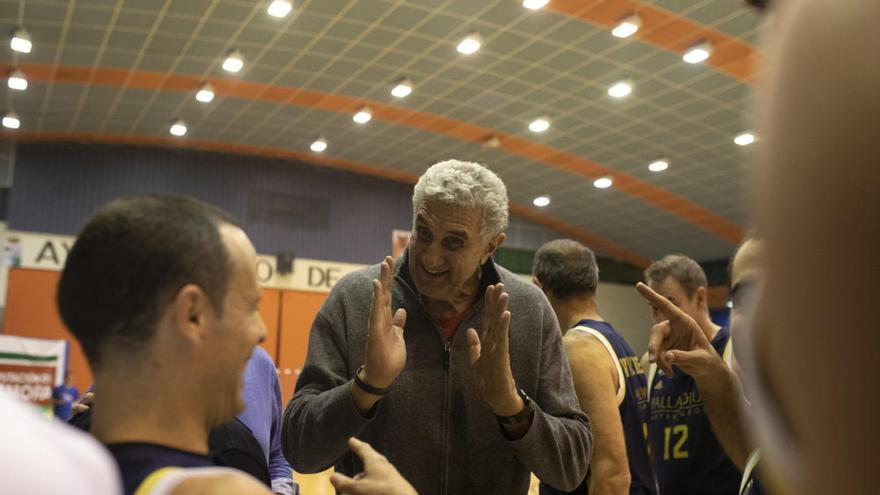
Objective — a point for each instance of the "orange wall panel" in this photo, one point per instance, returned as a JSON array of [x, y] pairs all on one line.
[[31, 312], [298, 310]]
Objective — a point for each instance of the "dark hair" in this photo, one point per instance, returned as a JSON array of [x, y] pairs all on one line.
[[682, 269], [130, 261], [566, 267]]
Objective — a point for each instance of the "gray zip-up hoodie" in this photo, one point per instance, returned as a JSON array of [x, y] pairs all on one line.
[[432, 425]]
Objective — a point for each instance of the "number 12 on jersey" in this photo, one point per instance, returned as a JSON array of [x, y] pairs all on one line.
[[680, 434]]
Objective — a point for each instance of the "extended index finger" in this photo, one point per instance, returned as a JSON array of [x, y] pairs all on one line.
[[366, 452], [669, 311]]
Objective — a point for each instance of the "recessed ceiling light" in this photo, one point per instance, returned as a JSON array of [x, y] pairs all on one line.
[[178, 128], [402, 89], [234, 61], [603, 182], [540, 124], [279, 8], [21, 41], [627, 27], [744, 139], [11, 121], [535, 4], [541, 201], [470, 44], [17, 80], [620, 89], [205, 94], [319, 145], [658, 165], [363, 115], [698, 53]]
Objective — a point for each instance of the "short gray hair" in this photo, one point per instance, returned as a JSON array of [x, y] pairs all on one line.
[[566, 267], [465, 184], [682, 269]]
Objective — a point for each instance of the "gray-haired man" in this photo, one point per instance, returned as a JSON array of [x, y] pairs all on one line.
[[476, 392]]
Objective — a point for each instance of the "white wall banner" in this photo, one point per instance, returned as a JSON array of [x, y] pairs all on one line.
[[30, 368], [49, 252]]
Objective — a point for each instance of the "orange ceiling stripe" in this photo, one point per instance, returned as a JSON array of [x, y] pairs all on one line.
[[324, 161], [429, 122], [670, 31]]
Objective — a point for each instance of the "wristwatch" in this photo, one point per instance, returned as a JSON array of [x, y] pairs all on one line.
[[520, 416]]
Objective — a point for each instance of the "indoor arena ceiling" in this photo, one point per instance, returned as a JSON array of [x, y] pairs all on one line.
[[123, 71]]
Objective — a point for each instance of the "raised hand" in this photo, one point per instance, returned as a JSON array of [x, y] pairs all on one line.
[[490, 357], [678, 340], [385, 354], [379, 476]]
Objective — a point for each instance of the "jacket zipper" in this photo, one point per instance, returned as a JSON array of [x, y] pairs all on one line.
[[447, 389]]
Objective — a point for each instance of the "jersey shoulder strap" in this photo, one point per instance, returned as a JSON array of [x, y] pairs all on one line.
[[621, 380]]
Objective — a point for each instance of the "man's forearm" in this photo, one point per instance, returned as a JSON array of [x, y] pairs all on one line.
[[317, 426], [722, 401]]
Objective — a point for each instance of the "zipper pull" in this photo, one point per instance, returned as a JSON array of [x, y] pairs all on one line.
[[446, 357]]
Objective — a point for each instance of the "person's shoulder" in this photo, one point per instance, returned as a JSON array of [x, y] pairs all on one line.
[[261, 362], [201, 481], [518, 285]]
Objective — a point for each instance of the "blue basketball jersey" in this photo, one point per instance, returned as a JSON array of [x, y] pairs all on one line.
[[139, 460], [632, 399], [687, 457]]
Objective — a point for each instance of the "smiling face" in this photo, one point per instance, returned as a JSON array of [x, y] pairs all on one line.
[[447, 249], [238, 329]]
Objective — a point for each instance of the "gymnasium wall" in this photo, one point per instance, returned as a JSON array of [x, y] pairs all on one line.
[[58, 186]]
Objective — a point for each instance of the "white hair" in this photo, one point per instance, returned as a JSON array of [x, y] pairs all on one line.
[[465, 184]]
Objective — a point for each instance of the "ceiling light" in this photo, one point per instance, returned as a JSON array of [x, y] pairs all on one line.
[[620, 89], [470, 44], [658, 166], [205, 94], [698, 53], [17, 80], [363, 115], [402, 89], [234, 61], [744, 139], [603, 182], [627, 27], [178, 128], [541, 201], [535, 4], [11, 121], [279, 8], [319, 145], [21, 41], [540, 124]]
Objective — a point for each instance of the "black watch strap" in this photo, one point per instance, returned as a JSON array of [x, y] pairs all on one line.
[[520, 416], [366, 387]]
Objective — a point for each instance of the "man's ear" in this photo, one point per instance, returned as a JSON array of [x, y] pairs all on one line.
[[702, 298], [190, 311], [492, 246]]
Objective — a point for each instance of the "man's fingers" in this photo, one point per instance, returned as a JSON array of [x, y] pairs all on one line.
[[474, 346], [364, 451], [659, 333], [666, 308], [341, 482], [504, 330], [400, 318]]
